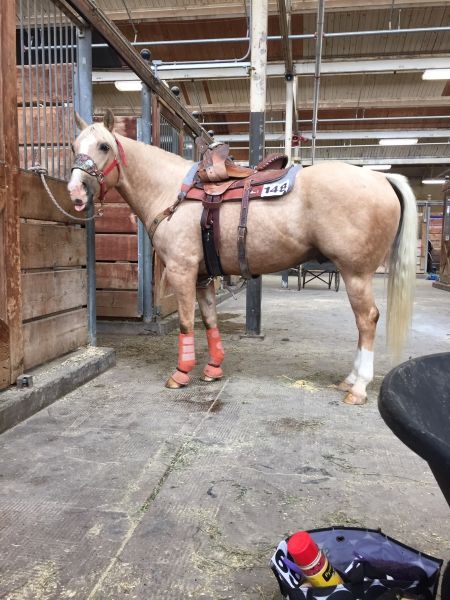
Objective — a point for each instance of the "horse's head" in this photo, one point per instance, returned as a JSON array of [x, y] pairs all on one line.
[[96, 166]]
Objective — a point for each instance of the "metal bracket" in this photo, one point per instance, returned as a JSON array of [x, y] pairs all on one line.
[[24, 381]]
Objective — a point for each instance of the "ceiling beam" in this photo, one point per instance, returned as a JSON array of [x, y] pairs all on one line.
[[346, 135], [233, 70], [342, 103], [235, 9], [89, 10], [423, 160]]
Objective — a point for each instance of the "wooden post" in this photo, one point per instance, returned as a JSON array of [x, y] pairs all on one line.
[[11, 340]]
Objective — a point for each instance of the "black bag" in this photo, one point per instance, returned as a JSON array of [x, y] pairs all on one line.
[[372, 565]]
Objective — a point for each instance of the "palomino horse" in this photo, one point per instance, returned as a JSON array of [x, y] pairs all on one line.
[[353, 216]]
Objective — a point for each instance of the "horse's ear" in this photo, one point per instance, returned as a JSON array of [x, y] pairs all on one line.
[[81, 123], [108, 119]]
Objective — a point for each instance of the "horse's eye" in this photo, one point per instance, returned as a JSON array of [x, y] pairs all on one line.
[[104, 147]]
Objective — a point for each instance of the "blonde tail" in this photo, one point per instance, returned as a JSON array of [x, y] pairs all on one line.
[[402, 268]]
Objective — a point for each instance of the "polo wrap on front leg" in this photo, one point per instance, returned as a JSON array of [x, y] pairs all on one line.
[[186, 358], [186, 352], [215, 348]]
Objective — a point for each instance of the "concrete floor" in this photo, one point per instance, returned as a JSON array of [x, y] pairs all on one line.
[[123, 489]]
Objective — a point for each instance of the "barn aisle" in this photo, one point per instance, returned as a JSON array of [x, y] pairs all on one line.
[[123, 489]]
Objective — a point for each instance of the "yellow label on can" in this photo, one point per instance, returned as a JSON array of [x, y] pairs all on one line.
[[327, 576]]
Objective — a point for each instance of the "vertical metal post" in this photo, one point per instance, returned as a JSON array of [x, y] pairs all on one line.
[[289, 115], [426, 220], [259, 21], [145, 266], [319, 42], [84, 107]]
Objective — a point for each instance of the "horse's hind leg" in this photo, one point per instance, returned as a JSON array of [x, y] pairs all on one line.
[[359, 290], [206, 296]]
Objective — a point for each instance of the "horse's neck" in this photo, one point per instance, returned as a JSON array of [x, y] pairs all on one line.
[[151, 180]]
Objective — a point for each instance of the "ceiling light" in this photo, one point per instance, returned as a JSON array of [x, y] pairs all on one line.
[[436, 74], [398, 141], [128, 86], [433, 181], [377, 167]]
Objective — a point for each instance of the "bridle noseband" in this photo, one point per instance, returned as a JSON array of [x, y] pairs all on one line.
[[85, 163]]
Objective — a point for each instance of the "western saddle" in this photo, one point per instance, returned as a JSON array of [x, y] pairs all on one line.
[[217, 165], [217, 178]]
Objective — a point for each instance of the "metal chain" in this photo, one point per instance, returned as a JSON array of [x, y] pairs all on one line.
[[42, 172]]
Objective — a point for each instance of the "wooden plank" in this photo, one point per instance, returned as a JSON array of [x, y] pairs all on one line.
[[45, 293], [117, 276], [117, 303], [11, 357], [61, 90], [5, 364], [48, 338], [36, 204], [50, 246], [117, 218], [116, 247]]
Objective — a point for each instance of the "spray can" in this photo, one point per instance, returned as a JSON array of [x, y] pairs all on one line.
[[312, 561]]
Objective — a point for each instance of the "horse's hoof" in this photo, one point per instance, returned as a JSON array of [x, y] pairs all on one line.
[[211, 373], [209, 379], [354, 400], [174, 385], [178, 380], [344, 386]]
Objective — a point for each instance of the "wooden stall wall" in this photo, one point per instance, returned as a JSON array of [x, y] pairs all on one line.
[[53, 262], [11, 341], [445, 246], [116, 246]]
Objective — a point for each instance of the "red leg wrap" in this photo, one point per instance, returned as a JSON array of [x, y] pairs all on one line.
[[186, 352], [215, 348]]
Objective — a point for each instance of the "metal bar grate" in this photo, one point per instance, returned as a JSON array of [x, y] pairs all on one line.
[[45, 69]]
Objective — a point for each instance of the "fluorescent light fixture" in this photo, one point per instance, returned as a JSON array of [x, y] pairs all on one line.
[[128, 86], [436, 74], [398, 141], [378, 167], [433, 181]]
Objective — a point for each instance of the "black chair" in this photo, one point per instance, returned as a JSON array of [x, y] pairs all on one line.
[[414, 402]]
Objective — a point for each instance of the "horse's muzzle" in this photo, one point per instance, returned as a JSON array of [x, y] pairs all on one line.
[[80, 194]]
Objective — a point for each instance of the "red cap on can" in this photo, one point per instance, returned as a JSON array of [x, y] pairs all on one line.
[[302, 548]]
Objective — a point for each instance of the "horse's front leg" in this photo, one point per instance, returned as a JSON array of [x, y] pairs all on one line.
[[206, 297], [182, 281]]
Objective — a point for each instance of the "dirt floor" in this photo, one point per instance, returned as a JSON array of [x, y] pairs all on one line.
[[124, 489]]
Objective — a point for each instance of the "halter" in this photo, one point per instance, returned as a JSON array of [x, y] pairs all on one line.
[[85, 163]]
